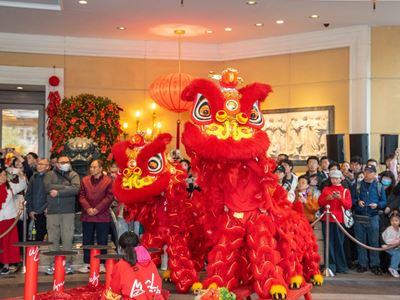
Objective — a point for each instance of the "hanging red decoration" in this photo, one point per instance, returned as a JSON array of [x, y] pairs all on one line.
[[54, 100], [54, 80], [166, 91]]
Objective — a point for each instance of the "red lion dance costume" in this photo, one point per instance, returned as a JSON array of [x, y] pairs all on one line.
[[257, 237], [154, 192]]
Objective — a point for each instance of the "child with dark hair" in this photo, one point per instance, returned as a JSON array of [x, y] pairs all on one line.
[[135, 276], [391, 236], [308, 199]]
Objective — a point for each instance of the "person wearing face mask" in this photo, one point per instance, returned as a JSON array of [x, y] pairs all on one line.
[[61, 186], [36, 199], [388, 181]]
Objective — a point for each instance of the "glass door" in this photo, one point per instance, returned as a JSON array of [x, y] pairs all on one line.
[[22, 128]]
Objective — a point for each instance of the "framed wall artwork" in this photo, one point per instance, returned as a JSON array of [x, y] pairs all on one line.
[[299, 132]]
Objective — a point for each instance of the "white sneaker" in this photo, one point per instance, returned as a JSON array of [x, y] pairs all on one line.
[[102, 269], [84, 269], [394, 272]]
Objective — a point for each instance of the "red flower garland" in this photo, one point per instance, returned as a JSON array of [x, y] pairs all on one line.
[[84, 115]]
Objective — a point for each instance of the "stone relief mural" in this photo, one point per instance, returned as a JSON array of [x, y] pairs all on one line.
[[299, 132]]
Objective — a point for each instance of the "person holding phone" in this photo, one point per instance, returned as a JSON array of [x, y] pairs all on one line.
[[337, 197]]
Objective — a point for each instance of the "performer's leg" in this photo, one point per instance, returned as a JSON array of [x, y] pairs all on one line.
[[223, 260], [264, 258], [183, 272], [153, 239]]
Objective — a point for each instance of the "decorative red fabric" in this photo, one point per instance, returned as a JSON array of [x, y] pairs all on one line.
[[10, 253], [3, 194]]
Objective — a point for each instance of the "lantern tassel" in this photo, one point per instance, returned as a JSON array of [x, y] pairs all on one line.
[[178, 133]]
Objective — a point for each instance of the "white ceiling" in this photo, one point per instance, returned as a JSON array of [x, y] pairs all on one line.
[[147, 19]]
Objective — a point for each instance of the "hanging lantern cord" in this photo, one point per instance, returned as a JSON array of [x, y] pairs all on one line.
[[179, 32]]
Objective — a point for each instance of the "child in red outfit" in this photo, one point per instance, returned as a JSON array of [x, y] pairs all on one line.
[[134, 277], [337, 197]]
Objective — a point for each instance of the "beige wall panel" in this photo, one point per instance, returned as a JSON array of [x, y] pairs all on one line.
[[385, 51], [156, 68], [324, 94], [279, 98], [385, 106], [31, 60], [103, 73], [274, 70], [319, 66], [385, 84]]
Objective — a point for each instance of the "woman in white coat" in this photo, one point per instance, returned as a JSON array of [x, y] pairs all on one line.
[[8, 212]]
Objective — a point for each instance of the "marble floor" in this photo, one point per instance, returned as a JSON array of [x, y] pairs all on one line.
[[352, 286]]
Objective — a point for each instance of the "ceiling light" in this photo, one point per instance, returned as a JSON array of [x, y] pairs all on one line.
[[20, 88], [228, 29], [314, 17], [209, 31], [121, 28], [259, 24], [279, 22], [251, 2], [82, 2]]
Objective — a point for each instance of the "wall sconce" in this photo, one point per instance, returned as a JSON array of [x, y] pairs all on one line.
[[137, 115], [125, 128]]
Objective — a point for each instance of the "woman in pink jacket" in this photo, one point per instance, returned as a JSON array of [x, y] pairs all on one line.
[[337, 197]]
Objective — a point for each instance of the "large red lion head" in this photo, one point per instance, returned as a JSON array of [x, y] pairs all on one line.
[[226, 122], [144, 170]]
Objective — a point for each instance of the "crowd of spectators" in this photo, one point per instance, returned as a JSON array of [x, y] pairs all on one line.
[[373, 198]]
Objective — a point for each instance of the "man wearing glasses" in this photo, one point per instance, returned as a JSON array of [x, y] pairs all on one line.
[[61, 185]]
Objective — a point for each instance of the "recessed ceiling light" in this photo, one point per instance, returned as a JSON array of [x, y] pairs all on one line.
[[82, 2], [314, 17], [121, 28], [259, 24], [209, 31], [228, 29], [20, 88], [279, 22], [251, 2]]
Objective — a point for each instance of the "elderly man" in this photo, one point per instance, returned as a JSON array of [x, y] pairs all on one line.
[[95, 197], [36, 199]]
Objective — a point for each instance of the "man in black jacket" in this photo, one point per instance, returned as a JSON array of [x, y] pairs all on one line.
[[36, 200]]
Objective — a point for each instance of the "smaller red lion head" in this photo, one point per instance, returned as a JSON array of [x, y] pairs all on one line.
[[144, 170]]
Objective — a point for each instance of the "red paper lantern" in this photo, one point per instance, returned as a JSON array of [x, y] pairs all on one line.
[[166, 91], [54, 80]]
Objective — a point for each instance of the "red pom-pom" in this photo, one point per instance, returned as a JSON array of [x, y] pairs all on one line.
[[54, 80]]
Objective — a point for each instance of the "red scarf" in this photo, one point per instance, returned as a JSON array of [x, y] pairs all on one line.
[[3, 194]]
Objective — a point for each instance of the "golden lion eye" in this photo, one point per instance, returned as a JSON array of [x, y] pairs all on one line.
[[256, 117], [254, 114], [202, 110], [155, 164], [205, 110]]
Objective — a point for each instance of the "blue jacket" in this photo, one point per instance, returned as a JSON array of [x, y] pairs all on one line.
[[369, 195]]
